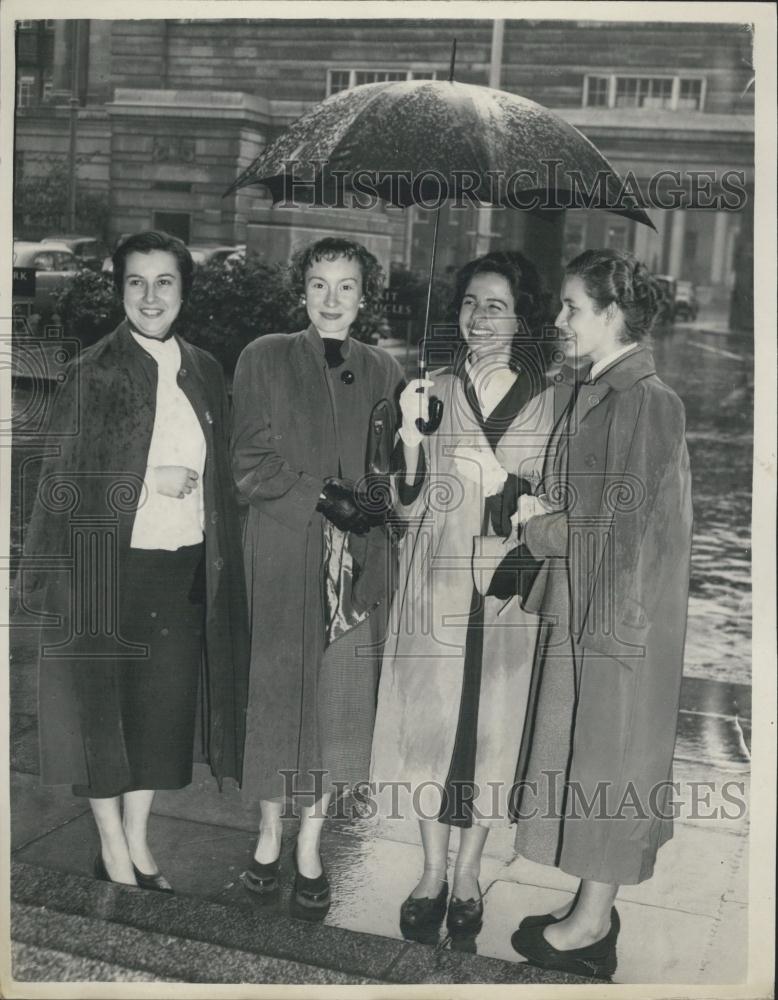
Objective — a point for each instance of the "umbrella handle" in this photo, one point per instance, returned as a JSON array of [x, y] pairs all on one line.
[[435, 417]]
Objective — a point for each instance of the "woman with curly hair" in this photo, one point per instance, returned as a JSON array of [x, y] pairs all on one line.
[[316, 556], [614, 531], [456, 671]]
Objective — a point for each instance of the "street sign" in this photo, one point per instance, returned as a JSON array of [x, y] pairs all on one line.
[[398, 303], [24, 282]]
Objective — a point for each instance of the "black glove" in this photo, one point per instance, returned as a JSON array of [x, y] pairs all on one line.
[[341, 505]]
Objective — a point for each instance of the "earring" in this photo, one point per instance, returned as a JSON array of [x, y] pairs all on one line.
[[361, 303], [302, 300]]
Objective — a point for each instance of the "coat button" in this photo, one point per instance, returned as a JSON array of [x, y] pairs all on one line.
[[347, 377], [590, 461], [594, 400], [214, 516], [183, 372], [164, 631], [218, 563], [153, 614]]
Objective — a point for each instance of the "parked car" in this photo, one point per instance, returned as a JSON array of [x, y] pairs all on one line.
[[54, 265], [87, 250], [686, 304], [205, 254], [666, 286], [108, 261]]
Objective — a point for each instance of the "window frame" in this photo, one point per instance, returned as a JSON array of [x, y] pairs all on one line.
[[31, 82], [614, 76], [410, 74]]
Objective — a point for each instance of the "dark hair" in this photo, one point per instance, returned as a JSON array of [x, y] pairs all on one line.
[[145, 242], [531, 303], [330, 248], [619, 277]]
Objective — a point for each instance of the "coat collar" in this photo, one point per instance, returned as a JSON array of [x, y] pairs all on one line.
[[313, 337], [621, 375], [128, 344]]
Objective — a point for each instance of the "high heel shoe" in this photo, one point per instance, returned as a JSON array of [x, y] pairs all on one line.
[[313, 894], [262, 878], [101, 872], [156, 882], [596, 961], [424, 911], [546, 919], [465, 915]]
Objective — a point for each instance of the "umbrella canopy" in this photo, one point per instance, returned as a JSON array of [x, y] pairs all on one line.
[[427, 141]]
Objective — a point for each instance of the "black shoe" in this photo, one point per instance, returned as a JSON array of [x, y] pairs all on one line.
[[157, 882], [596, 961], [101, 872], [465, 915], [545, 919], [424, 911], [312, 894], [262, 879]]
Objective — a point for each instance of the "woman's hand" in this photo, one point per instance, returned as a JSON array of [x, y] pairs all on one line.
[[414, 405], [175, 480], [528, 506], [480, 467]]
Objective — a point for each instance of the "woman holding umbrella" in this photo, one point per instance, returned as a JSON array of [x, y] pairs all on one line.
[[457, 666], [614, 529], [316, 555], [135, 505]]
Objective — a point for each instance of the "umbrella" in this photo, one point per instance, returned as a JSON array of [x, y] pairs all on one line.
[[420, 142]]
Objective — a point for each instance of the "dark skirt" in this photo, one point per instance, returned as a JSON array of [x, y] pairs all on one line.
[[162, 608]]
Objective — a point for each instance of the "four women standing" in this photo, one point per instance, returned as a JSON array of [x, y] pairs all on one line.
[[585, 643]]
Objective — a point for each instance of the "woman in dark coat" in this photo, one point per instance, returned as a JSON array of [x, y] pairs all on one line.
[[134, 550], [614, 528], [316, 562]]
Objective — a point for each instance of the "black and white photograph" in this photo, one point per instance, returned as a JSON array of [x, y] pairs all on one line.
[[388, 475]]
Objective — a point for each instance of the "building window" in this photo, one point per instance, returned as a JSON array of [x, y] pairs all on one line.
[[25, 24], [48, 90], [345, 79], [25, 89], [627, 91], [597, 92], [690, 95], [175, 223]]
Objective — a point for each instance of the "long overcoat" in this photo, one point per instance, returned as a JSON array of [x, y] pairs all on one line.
[[90, 486], [423, 669], [597, 757], [289, 434]]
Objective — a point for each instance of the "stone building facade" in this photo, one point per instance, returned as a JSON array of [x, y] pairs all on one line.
[[170, 111]]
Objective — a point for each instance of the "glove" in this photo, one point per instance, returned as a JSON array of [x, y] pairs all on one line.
[[414, 405], [480, 467], [348, 508]]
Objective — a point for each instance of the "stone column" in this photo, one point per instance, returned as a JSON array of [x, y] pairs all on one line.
[[718, 253], [675, 264]]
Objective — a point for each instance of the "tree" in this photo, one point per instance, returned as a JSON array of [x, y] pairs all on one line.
[[41, 204]]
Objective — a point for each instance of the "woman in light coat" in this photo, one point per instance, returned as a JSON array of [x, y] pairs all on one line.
[[457, 665]]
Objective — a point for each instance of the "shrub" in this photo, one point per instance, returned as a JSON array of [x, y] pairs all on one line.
[[88, 307], [227, 308]]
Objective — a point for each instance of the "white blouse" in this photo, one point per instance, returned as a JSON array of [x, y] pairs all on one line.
[[163, 522]]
